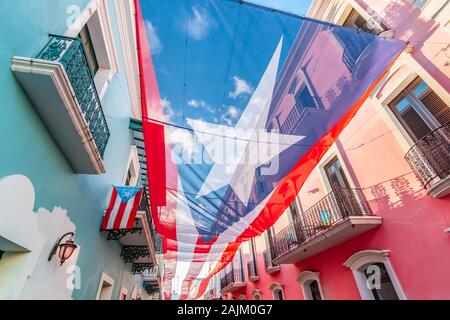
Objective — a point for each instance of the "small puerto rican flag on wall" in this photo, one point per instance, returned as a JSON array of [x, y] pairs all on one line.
[[122, 209]]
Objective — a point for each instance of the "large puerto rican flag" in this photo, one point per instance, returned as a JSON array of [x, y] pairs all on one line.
[[215, 185]]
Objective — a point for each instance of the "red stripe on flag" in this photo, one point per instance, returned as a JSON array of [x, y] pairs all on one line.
[[136, 203], [108, 211]]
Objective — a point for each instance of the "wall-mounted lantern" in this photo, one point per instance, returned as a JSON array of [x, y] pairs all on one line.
[[66, 249]]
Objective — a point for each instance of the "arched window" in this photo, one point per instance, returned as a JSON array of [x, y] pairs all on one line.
[[256, 294], [277, 291], [311, 286], [374, 275]]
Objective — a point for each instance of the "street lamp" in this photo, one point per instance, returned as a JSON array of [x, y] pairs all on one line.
[[66, 249]]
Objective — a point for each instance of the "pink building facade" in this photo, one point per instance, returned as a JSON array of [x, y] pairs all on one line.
[[373, 219]]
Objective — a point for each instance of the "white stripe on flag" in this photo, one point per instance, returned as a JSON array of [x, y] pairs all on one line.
[[114, 211], [126, 215]]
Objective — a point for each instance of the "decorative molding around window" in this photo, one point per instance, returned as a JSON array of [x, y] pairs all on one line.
[[365, 264], [256, 294], [311, 286], [96, 17], [419, 109], [132, 174], [105, 287], [125, 12]]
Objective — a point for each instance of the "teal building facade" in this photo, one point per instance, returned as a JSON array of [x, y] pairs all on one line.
[[69, 88]]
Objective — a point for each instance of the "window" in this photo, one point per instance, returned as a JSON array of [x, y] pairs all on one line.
[[336, 175], [1, 254], [277, 291], [358, 22], [419, 3], [314, 289], [252, 246], [278, 294], [384, 290], [132, 174], [294, 211], [374, 275], [420, 110], [94, 28], [310, 284], [304, 99], [105, 288], [85, 37], [128, 178]]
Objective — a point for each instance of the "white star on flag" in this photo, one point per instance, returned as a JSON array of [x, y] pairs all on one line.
[[238, 151]]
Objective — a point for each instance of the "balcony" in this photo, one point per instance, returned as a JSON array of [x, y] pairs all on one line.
[[60, 84], [269, 266], [429, 159], [138, 244], [341, 215], [232, 281], [152, 280], [252, 271]]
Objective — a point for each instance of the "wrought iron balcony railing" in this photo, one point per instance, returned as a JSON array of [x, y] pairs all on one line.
[[334, 208], [252, 269], [429, 158], [153, 272], [70, 52], [268, 260], [232, 277]]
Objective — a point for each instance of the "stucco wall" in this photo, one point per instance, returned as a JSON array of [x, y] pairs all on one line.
[[28, 148]]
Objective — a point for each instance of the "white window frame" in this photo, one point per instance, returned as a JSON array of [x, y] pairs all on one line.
[[126, 12], [256, 293], [332, 153], [132, 166], [277, 286], [96, 16], [363, 258], [305, 278], [109, 280]]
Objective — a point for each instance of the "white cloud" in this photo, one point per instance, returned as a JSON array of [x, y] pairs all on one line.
[[201, 104], [196, 103], [167, 109], [199, 24], [155, 42], [240, 87], [230, 116]]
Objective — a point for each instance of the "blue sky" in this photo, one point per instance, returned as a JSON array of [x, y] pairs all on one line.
[[294, 6], [209, 55]]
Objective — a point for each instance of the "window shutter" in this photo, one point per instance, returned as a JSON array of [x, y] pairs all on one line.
[[415, 123], [437, 107]]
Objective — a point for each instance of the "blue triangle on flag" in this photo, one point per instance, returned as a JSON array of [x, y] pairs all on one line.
[[126, 193]]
